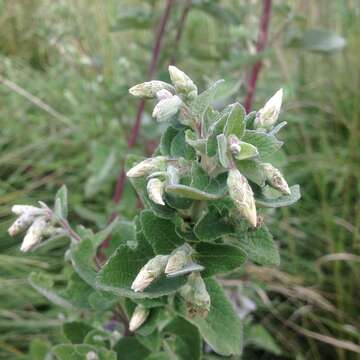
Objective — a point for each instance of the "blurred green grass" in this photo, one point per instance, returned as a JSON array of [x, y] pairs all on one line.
[[80, 59]]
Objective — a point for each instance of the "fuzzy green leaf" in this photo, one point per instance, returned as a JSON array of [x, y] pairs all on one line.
[[129, 348], [187, 342], [180, 148], [218, 258], [213, 225], [235, 123], [76, 331], [266, 144], [166, 139], [204, 100], [79, 352], [252, 170], [247, 151], [160, 233], [260, 246]]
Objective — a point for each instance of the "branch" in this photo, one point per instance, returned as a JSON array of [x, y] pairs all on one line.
[[260, 47]]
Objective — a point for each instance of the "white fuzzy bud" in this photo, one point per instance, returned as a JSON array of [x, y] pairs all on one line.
[[91, 355], [166, 108], [27, 209], [242, 195], [276, 179], [35, 234], [178, 259], [138, 317], [163, 94], [21, 224], [182, 82], [155, 189], [149, 89], [147, 166], [149, 272], [268, 115], [196, 296], [234, 144]]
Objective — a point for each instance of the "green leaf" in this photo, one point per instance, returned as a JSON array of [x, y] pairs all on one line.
[[222, 329], [129, 348], [285, 200], [79, 352], [198, 144], [266, 144], [235, 123], [78, 291], [160, 233], [180, 148], [99, 338], [166, 140], [201, 187], [213, 225], [260, 338], [204, 100], [247, 151], [76, 331], [223, 151], [61, 203], [187, 342], [260, 246], [321, 40], [38, 349], [252, 170], [218, 258], [191, 193], [216, 129]]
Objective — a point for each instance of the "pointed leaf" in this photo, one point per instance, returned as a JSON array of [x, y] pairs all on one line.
[[235, 123], [266, 144], [285, 200]]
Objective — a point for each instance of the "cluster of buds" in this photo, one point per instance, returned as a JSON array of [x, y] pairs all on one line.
[[138, 317], [242, 195], [169, 96], [154, 168], [37, 222], [196, 296], [275, 178], [268, 115], [179, 262]]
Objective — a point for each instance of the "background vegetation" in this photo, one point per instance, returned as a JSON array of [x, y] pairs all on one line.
[[66, 117]]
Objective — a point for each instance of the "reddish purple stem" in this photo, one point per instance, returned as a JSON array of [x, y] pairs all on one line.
[[260, 47]]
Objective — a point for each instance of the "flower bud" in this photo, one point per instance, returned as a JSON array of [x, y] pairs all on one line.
[[166, 108], [34, 234], [147, 166], [178, 259], [138, 317], [28, 209], [196, 296], [21, 224], [234, 144], [149, 272], [155, 189], [182, 82], [276, 179], [149, 89], [91, 355], [242, 195], [163, 94], [268, 115]]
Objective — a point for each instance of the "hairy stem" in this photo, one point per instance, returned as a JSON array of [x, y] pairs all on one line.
[[260, 47]]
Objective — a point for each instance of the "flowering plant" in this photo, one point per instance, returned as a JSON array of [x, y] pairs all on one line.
[[205, 191]]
